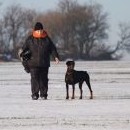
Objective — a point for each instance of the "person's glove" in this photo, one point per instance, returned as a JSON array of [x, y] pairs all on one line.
[[24, 55], [27, 69]]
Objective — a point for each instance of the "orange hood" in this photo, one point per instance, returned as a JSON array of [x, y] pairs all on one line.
[[39, 35]]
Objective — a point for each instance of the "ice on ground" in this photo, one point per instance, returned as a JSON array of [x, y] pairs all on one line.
[[109, 110]]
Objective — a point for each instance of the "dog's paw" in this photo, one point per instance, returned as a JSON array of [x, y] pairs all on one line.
[[80, 97], [91, 97], [67, 97], [72, 98]]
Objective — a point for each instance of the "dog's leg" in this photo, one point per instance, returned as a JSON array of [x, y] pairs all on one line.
[[89, 86], [81, 91], [73, 91], [67, 91]]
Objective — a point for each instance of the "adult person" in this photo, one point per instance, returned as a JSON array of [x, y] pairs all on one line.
[[39, 47]]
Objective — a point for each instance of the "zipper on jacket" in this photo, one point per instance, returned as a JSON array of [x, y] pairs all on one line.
[[38, 51]]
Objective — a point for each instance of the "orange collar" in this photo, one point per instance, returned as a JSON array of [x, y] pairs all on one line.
[[39, 35]]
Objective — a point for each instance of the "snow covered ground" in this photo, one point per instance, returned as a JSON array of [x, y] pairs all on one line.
[[109, 110]]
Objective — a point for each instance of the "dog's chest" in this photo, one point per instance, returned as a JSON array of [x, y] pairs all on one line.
[[69, 78]]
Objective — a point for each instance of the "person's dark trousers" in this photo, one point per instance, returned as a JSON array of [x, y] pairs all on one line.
[[39, 82]]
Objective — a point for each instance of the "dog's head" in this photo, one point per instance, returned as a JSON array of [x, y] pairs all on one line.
[[70, 65]]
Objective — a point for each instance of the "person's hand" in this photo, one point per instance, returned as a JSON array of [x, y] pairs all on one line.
[[57, 60], [20, 51]]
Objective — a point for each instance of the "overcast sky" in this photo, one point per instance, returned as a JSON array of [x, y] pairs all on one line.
[[118, 10]]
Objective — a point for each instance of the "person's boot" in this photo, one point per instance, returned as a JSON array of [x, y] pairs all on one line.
[[35, 97], [44, 98]]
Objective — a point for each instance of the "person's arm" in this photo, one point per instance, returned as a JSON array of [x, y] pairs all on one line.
[[25, 53], [54, 51], [25, 45]]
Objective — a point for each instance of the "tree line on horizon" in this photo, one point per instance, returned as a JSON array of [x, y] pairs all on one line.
[[79, 31]]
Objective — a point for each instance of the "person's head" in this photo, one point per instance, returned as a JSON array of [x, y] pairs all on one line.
[[38, 31], [38, 27]]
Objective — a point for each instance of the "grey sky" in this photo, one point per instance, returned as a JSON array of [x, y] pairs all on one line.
[[118, 10]]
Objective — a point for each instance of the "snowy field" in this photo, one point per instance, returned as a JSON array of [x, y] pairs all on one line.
[[109, 110]]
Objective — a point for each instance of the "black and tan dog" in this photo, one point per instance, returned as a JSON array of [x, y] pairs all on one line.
[[72, 77]]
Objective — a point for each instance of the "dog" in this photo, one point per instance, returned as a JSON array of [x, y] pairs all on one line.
[[73, 77]]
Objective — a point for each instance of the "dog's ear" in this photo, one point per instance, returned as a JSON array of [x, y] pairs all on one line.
[[73, 63], [67, 63]]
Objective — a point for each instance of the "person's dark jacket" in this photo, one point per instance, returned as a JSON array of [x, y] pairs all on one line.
[[41, 49]]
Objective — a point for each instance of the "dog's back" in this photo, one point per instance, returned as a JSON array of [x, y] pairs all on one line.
[[80, 76], [74, 77]]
